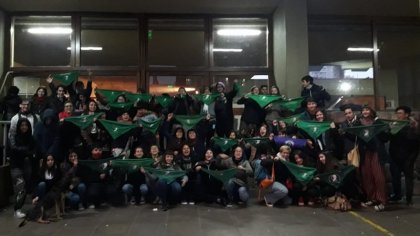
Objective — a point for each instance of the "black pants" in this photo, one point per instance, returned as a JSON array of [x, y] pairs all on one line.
[[405, 165]]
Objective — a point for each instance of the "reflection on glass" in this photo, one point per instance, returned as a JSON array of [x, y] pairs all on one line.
[[159, 84], [109, 41], [175, 42], [41, 41], [240, 42]]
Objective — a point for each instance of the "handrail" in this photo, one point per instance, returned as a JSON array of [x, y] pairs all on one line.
[[4, 123], [6, 76]]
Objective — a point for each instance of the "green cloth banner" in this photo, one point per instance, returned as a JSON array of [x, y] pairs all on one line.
[[131, 165], [66, 78], [168, 176], [222, 175], [224, 143], [120, 106], [151, 126], [302, 174], [366, 132], [264, 100], [291, 120], [97, 165], [395, 125], [164, 101], [139, 97], [110, 95], [256, 141], [83, 121], [336, 178], [292, 104], [207, 98], [189, 122], [313, 128], [116, 129]]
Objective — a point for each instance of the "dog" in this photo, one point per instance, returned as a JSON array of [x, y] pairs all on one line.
[[55, 197]]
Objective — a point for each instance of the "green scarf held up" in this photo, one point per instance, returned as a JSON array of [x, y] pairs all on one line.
[[395, 125], [292, 104], [338, 177], [302, 174], [224, 143], [367, 132], [151, 126], [120, 106], [116, 129], [256, 141], [264, 100], [164, 101], [207, 98], [110, 95], [66, 78], [139, 97], [131, 165], [97, 165], [168, 176], [291, 120], [313, 128], [188, 122], [222, 175], [83, 121]]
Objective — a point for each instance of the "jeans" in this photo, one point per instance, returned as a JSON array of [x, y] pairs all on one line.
[[236, 192], [276, 192], [18, 187], [128, 190], [77, 196], [168, 192]]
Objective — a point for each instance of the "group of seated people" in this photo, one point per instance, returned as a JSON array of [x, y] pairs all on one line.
[[119, 151]]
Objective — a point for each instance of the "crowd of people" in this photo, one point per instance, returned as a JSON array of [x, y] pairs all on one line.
[[45, 145]]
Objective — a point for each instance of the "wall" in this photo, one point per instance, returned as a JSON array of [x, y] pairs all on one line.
[[290, 46]]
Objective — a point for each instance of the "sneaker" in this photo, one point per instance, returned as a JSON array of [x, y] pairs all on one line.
[[133, 202], [142, 201], [367, 204], [91, 206], [191, 203], [379, 207], [301, 202], [268, 204], [184, 203], [229, 205], [19, 214], [81, 208]]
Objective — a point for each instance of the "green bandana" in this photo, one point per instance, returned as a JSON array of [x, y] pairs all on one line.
[[313, 128], [302, 174], [291, 120], [131, 165], [292, 104], [224, 143], [189, 122], [207, 98], [151, 126], [116, 129], [164, 101], [366, 132], [395, 125], [336, 178], [110, 95], [256, 141], [222, 175], [139, 97], [97, 165], [83, 121], [66, 78], [168, 176], [264, 100]]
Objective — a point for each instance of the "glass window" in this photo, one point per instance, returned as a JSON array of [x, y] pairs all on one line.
[[399, 65], [240, 42], [340, 59], [170, 84], [175, 42], [41, 41], [109, 41]]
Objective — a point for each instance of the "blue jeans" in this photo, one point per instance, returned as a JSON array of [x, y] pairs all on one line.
[[236, 192], [41, 189], [276, 192], [77, 196], [128, 190], [168, 192]]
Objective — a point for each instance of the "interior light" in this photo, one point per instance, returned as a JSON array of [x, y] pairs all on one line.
[[351, 49], [239, 32], [88, 48], [227, 49], [50, 30], [344, 86], [260, 77]]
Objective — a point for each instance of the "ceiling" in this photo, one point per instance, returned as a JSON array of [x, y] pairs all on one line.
[[315, 7]]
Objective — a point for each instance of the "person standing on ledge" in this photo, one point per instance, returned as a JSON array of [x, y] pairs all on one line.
[[317, 92]]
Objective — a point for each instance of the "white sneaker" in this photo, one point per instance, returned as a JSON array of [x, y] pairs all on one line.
[[184, 203], [19, 214], [191, 203], [92, 206], [81, 208]]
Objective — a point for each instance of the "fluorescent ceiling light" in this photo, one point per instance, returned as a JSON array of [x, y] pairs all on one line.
[[50, 30], [227, 49], [239, 32], [88, 48], [350, 49], [344, 86], [260, 77]]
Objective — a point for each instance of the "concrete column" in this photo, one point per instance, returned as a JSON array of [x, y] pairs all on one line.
[[2, 20], [290, 45]]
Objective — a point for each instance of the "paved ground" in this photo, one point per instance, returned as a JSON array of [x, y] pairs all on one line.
[[214, 220]]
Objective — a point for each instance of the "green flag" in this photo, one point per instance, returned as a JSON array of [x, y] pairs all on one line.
[[207, 98], [292, 104], [168, 176], [139, 97], [222, 175], [302, 174], [189, 122], [97, 165], [291, 120], [151, 126], [66, 78], [264, 100], [120, 106], [110, 95], [337, 177], [366, 132], [131, 165], [164, 101], [313, 128], [256, 141], [116, 129], [83, 121], [395, 125], [224, 143]]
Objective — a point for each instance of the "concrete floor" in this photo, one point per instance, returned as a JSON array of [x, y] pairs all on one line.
[[204, 219]]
